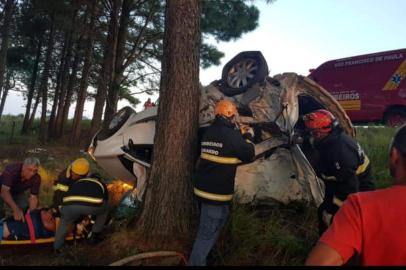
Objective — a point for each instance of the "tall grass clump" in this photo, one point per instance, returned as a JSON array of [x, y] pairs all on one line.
[[375, 142]]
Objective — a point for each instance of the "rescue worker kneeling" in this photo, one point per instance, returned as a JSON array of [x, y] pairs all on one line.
[[87, 196], [76, 170], [222, 149]]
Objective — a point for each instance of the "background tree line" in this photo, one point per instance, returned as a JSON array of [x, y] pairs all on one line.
[[60, 52]]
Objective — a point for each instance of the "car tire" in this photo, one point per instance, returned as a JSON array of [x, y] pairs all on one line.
[[242, 72], [118, 120], [395, 117]]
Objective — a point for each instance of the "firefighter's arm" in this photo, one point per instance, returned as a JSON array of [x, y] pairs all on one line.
[[244, 148], [346, 166]]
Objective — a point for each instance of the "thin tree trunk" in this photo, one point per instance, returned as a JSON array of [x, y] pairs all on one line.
[[70, 89], [44, 81], [107, 67], [31, 90], [52, 116], [5, 32], [64, 82], [34, 110], [5, 93], [168, 213], [113, 93], [76, 126]]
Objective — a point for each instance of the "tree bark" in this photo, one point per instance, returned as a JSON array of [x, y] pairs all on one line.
[[44, 81], [168, 213], [5, 93], [66, 79], [34, 110], [57, 94], [107, 67], [31, 90], [76, 126], [5, 32], [113, 92], [70, 89]]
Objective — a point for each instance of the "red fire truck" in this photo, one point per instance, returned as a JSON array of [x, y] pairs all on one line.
[[369, 87]]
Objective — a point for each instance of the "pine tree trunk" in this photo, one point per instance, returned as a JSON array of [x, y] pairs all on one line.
[[168, 213], [5, 36], [34, 110], [107, 67], [64, 81], [31, 90], [63, 117], [113, 93], [5, 93], [80, 104], [52, 116], [71, 88], [44, 81]]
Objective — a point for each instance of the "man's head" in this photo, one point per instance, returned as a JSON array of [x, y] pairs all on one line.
[[79, 168], [30, 168], [48, 220], [397, 156], [320, 123], [226, 109]]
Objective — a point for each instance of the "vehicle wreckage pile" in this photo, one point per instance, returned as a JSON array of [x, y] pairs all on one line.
[[271, 105]]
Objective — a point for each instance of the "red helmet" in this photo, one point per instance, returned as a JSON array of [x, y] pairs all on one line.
[[321, 120]]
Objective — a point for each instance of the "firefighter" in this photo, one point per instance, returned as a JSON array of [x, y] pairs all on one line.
[[76, 170], [341, 164], [223, 148], [86, 196]]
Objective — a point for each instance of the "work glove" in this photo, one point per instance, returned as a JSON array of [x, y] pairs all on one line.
[[247, 133]]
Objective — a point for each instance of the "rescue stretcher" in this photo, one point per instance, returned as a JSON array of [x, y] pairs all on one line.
[[75, 235], [38, 241]]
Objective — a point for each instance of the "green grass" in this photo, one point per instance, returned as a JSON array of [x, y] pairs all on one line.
[[375, 142]]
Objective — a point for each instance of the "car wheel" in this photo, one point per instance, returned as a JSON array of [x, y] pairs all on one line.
[[395, 117], [116, 123], [242, 72]]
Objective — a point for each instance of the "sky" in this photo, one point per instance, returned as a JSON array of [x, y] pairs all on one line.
[[298, 35]]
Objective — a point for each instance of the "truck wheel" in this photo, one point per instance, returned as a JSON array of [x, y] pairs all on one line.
[[242, 72], [395, 117]]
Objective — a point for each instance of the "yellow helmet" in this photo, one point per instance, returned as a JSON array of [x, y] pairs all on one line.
[[80, 166], [225, 108]]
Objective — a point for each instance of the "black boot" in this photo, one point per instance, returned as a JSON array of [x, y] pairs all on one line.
[[94, 238]]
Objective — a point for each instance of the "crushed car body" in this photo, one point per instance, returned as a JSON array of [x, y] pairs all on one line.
[[272, 106]]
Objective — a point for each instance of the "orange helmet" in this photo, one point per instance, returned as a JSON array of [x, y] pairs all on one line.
[[321, 120], [225, 108]]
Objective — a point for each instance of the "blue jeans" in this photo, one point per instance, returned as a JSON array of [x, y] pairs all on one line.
[[212, 220]]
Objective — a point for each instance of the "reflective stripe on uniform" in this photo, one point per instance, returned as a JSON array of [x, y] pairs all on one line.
[[337, 201], [61, 187], [212, 196], [82, 199], [363, 167], [92, 180], [221, 160]]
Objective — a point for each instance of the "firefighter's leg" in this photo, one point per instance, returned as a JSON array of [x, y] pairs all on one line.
[[212, 219], [69, 214]]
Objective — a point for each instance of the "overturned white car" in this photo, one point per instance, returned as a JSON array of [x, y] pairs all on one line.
[[272, 106]]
